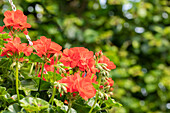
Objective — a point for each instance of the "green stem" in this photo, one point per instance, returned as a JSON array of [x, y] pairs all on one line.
[[97, 94], [38, 69], [16, 76], [69, 105], [42, 70], [54, 89]]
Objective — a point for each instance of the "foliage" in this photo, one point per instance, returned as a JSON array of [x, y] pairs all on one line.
[[134, 34]]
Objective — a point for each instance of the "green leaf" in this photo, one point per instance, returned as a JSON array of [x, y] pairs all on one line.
[[3, 91], [111, 102], [35, 58], [4, 36], [91, 102], [70, 111], [58, 103], [50, 76], [4, 62], [96, 86], [28, 85], [15, 108], [44, 84], [31, 104]]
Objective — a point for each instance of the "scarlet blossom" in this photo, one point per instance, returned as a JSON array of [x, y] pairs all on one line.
[[104, 59], [83, 86], [15, 46], [79, 57], [16, 19], [44, 46], [70, 82], [109, 82]]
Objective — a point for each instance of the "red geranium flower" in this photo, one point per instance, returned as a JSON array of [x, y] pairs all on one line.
[[70, 82], [79, 57], [43, 46], [104, 59], [16, 19], [15, 46], [84, 86]]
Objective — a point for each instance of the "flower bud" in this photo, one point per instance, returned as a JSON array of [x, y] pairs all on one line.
[[106, 96], [98, 54], [111, 89], [111, 93], [101, 86], [66, 102], [64, 88]]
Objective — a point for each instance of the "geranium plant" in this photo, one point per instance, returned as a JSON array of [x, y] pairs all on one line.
[[40, 77]]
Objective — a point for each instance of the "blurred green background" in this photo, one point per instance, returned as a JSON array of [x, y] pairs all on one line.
[[134, 34]]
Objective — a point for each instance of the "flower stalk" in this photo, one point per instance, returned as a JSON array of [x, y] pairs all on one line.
[[54, 88], [42, 70], [16, 76], [69, 104]]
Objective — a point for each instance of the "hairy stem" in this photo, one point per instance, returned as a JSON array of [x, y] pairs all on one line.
[[16, 76], [54, 88], [42, 70], [69, 105]]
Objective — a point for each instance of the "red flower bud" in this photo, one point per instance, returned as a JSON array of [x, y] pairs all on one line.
[[101, 87]]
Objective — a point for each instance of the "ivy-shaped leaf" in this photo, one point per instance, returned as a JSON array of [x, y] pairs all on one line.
[[31, 104]]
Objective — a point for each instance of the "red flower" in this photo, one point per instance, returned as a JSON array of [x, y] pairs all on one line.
[[84, 86], [79, 57], [15, 46], [104, 59], [43, 46], [70, 82], [16, 19], [109, 82]]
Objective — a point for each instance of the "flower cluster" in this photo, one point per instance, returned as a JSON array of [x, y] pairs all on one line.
[[16, 19], [79, 57], [16, 47]]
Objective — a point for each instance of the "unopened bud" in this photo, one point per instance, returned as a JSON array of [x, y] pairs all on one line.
[[100, 67], [105, 68], [64, 88], [101, 95], [101, 86], [106, 96], [111, 93], [55, 57], [111, 89], [99, 54], [63, 70]]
